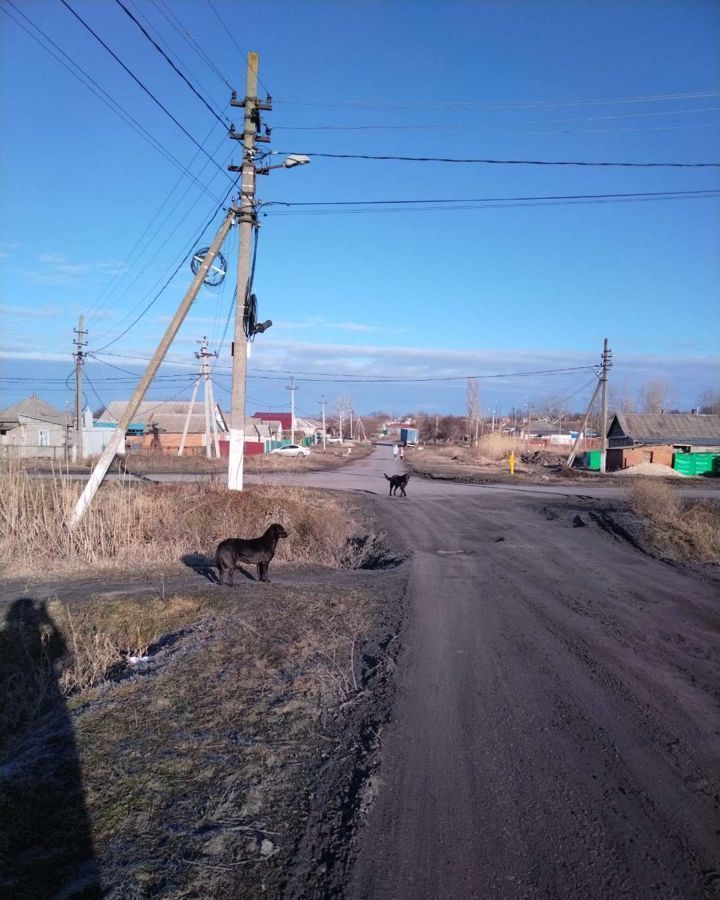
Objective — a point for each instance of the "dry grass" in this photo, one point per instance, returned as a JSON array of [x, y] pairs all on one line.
[[129, 524], [186, 770], [496, 446], [680, 529]]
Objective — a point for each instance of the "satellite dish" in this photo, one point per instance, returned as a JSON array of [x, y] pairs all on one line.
[[217, 271]]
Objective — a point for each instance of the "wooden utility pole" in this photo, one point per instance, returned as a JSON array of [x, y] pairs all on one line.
[[606, 365], [248, 221], [118, 437], [292, 387], [78, 450], [322, 404]]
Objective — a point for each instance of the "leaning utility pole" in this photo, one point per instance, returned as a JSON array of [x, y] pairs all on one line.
[[103, 464], [606, 365], [248, 220], [78, 452], [292, 387]]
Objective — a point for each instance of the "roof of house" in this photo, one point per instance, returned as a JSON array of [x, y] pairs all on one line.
[[669, 428], [169, 416], [35, 409], [284, 418]]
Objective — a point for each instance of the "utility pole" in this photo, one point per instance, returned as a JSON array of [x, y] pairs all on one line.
[[292, 387], [248, 220], [204, 355], [322, 404], [351, 423], [78, 452], [103, 464], [606, 366]]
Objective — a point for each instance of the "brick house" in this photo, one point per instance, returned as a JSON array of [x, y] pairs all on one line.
[[635, 438]]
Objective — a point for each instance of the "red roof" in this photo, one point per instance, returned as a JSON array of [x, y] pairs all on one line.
[[284, 418]]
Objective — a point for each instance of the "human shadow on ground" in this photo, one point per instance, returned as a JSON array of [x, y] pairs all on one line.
[[46, 847]]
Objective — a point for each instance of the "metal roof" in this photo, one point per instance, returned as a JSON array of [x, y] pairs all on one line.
[[669, 428], [36, 410], [169, 416]]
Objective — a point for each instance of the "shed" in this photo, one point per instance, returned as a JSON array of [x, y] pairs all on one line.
[[163, 423], [656, 437]]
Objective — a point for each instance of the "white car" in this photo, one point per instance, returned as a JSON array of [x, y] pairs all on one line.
[[291, 450]]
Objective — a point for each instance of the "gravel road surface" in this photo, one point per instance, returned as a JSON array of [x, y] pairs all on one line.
[[556, 729]]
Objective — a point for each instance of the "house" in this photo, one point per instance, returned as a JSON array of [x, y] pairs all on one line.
[[159, 426], [33, 428], [303, 427], [656, 437]]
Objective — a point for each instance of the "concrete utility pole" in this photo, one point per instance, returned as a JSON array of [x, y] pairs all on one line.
[[606, 366], [248, 221], [204, 355], [322, 404], [78, 451], [292, 387], [118, 437]]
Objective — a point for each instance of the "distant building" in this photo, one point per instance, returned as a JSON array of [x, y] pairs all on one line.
[[656, 437], [159, 425], [32, 428]]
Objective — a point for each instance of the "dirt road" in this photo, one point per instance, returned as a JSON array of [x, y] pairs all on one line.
[[556, 729]]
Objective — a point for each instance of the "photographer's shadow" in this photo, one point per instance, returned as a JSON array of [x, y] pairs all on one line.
[[46, 847]]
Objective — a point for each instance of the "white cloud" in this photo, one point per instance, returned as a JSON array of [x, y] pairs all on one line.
[[29, 312], [55, 270]]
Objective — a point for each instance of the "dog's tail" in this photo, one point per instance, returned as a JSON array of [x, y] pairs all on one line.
[[388, 477]]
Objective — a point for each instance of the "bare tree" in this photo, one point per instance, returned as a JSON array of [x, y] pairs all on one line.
[[473, 407], [622, 399], [710, 402], [655, 396]]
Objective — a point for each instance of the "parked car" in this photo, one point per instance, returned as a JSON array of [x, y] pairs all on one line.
[[291, 450]]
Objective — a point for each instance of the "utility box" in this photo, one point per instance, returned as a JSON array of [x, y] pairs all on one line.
[[409, 435], [592, 458]]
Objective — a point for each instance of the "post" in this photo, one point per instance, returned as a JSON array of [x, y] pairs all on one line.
[[292, 387], [181, 448], [236, 456], [118, 437], [322, 404], [581, 433], [606, 364], [78, 450]]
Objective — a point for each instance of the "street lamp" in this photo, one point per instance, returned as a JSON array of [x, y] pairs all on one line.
[[295, 159]]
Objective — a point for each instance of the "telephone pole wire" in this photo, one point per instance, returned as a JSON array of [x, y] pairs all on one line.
[[322, 404], [248, 221], [606, 366], [292, 387], [78, 451]]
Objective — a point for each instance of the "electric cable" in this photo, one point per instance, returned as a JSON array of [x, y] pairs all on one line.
[[167, 282], [237, 46], [142, 85], [171, 63], [100, 92], [169, 15], [501, 162]]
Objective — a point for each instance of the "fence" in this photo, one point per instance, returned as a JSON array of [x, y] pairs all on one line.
[[32, 451]]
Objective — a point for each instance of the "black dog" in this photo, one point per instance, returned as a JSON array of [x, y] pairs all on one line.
[[260, 550], [398, 481]]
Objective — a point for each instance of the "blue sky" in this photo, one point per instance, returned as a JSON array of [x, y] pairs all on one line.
[[427, 293]]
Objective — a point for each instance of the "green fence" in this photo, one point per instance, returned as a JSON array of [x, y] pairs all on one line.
[[697, 463]]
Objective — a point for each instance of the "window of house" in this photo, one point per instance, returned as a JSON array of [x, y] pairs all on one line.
[[43, 438]]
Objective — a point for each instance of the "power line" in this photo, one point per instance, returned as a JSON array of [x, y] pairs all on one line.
[[632, 195], [524, 104], [175, 22], [502, 162], [237, 46], [142, 85], [171, 63], [167, 282], [99, 92]]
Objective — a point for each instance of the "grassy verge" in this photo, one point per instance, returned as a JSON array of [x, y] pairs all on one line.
[[188, 775], [131, 525], [682, 530]]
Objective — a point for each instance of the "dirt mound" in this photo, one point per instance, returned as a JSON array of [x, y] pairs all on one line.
[[543, 458], [654, 469]]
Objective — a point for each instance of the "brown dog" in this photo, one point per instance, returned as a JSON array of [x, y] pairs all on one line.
[[233, 551]]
